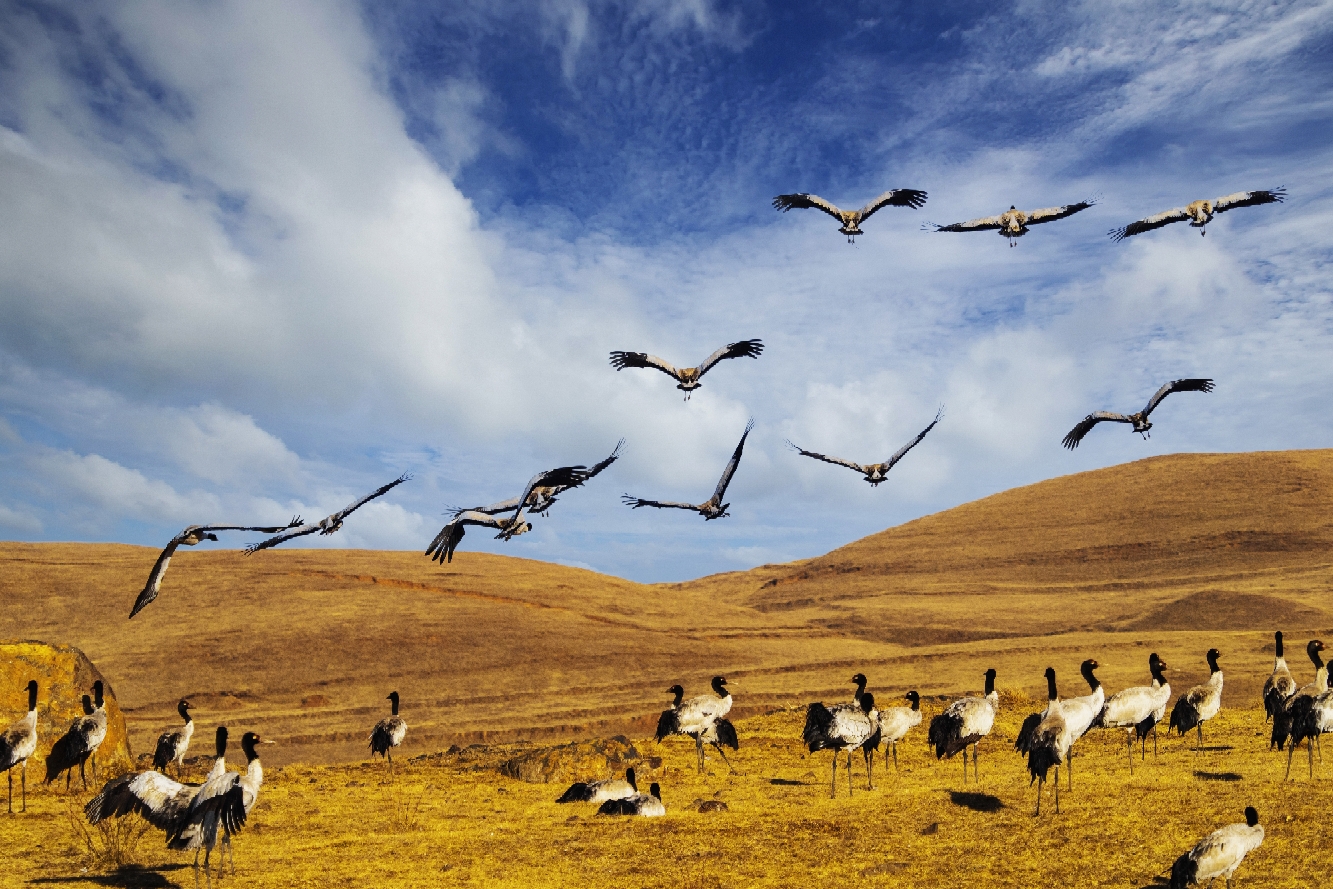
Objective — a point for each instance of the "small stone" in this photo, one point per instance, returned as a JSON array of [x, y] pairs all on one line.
[[712, 805], [932, 828]]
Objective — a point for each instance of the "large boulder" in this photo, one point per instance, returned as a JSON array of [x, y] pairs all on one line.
[[64, 675]]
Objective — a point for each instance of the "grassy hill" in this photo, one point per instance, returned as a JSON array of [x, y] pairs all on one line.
[[1172, 554]]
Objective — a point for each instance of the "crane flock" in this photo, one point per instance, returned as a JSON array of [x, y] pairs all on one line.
[[197, 816]]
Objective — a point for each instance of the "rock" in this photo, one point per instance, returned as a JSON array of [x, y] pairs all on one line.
[[712, 805], [579, 761], [64, 675]]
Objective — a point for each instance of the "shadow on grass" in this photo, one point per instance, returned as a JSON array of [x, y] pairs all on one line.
[[1218, 776], [785, 782], [130, 876], [977, 802]]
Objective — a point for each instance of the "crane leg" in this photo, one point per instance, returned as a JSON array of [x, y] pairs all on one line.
[[1309, 752], [1154, 742], [1057, 790], [68, 773], [25, 785], [1069, 772], [719, 749], [849, 773], [833, 788], [894, 746], [82, 774], [1290, 750], [1041, 782], [964, 765], [1129, 738], [870, 770], [699, 752], [976, 771], [11, 790], [1201, 736]]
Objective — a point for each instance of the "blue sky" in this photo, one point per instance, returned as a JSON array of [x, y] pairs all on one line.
[[260, 259]]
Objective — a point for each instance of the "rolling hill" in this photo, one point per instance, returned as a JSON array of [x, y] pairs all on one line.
[[1171, 554]]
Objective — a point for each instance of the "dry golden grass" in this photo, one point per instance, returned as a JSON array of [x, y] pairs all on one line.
[[1173, 554], [469, 826]]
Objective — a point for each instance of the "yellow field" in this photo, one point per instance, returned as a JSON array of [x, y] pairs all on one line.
[[1174, 554], [454, 821]]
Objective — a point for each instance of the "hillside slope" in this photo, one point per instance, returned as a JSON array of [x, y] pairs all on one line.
[[1174, 554]]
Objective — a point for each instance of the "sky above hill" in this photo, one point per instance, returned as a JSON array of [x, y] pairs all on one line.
[[258, 259]]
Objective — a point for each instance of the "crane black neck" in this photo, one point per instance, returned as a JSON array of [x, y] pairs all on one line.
[[1086, 670], [183, 708], [1159, 672], [915, 699], [679, 695], [1251, 816], [1278, 639], [248, 746], [720, 687], [1051, 693], [393, 698], [1212, 661], [32, 695], [222, 741], [97, 694], [1313, 650], [860, 681], [87, 706], [990, 682], [656, 790], [629, 777]]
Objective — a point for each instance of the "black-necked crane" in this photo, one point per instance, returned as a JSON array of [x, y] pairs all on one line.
[[964, 723], [851, 219], [1023, 742], [388, 732], [72, 748], [873, 472], [701, 718], [1137, 709], [1139, 420], [843, 728], [1282, 716], [1080, 712], [1200, 703], [545, 487], [442, 548], [1012, 223], [1311, 718], [687, 378], [20, 741], [1200, 213], [328, 524], [193, 536], [1279, 685], [1219, 853], [896, 722], [601, 791], [161, 802], [1049, 742], [643, 805], [225, 801], [713, 507], [172, 745]]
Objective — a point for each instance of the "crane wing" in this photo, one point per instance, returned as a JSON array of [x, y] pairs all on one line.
[[972, 225], [895, 197], [1076, 434], [1186, 385], [635, 502], [837, 461], [154, 796], [916, 441], [622, 360], [743, 349], [1146, 225], [355, 505], [735, 461], [1050, 214], [290, 533], [563, 477], [803, 201], [1249, 199]]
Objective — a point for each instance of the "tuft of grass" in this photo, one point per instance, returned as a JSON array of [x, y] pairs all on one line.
[[405, 809], [108, 845]]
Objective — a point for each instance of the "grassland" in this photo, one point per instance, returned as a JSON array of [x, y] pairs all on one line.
[[453, 820], [1174, 555]]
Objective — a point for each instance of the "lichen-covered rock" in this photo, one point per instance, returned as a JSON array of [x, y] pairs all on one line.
[[64, 675], [578, 761]]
